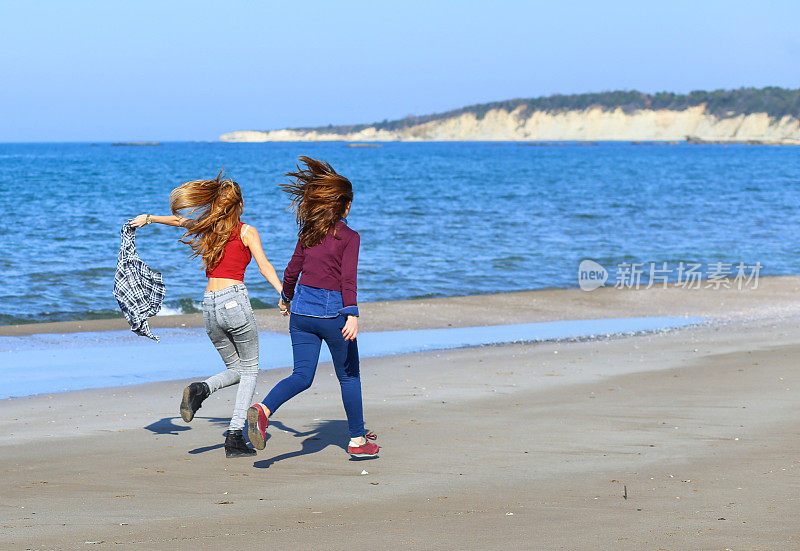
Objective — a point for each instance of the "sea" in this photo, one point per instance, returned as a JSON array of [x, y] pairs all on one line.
[[436, 219]]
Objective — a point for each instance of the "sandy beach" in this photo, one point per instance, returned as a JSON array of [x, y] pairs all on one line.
[[679, 439]]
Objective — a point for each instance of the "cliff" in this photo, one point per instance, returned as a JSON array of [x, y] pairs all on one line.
[[768, 115]]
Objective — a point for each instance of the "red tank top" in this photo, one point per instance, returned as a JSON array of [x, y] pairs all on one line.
[[235, 258]]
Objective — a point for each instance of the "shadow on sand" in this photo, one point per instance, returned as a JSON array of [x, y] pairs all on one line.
[[166, 425], [320, 436], [204, 449]]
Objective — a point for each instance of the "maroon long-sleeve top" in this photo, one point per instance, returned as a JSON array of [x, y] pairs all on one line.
[[332, 265]]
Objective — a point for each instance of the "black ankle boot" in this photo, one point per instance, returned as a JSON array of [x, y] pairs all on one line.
[[193, 396], [235, 445]]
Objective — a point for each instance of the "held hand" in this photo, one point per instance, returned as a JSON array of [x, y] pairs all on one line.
[[350, 329], [139, 221], [284, 307]]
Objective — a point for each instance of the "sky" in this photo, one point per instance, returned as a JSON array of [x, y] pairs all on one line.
[[180, 70]]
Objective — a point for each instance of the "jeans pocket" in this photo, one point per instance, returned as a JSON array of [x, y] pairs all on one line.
[[233, 313], [334, 304]]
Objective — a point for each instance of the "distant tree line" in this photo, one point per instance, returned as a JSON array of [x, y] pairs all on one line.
[[776, 102]]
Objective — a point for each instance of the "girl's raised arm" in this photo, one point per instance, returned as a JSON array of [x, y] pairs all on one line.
[[169, 220]]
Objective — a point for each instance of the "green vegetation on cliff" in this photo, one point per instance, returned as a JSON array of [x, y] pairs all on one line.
[[776, 102]]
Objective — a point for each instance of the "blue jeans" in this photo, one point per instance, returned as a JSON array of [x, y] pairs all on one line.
[[307, 335]]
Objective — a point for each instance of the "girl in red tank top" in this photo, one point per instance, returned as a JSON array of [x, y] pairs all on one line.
[[226, 246], [235, 257]]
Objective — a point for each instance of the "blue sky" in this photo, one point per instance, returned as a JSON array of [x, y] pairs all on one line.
[[180, 70]]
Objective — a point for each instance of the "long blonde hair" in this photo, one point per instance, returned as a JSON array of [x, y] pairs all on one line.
[[319, 198], [218, 206]]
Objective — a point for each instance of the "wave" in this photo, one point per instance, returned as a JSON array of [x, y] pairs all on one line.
[[180, 306], [63, 315], [168, 308], [191, 306]]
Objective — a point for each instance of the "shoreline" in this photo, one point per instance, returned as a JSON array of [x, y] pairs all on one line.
[[53, 364], [551, 304], [524, 120]]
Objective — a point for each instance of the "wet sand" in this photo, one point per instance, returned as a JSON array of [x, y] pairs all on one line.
[[682, 439]]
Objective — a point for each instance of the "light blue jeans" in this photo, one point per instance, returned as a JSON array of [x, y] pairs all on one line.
[[231, 325]]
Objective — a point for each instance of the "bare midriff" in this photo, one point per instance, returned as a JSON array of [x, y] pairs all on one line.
[[220, 283]]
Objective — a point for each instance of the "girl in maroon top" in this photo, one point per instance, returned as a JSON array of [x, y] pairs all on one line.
[[322, 302]]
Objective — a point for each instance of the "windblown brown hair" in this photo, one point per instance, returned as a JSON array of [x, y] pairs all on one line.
[[218, 206], [319, 198]]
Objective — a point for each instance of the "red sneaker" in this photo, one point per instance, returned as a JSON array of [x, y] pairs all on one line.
[[257, 423], [367, 449]]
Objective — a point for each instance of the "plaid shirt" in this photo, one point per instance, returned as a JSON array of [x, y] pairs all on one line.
[[138, 289]]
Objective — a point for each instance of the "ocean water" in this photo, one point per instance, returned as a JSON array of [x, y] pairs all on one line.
[[436, 219]]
